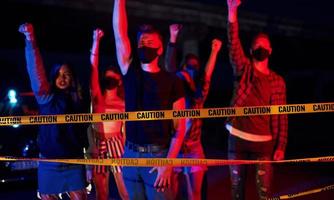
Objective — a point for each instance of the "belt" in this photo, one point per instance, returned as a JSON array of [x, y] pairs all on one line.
[[146, 148]]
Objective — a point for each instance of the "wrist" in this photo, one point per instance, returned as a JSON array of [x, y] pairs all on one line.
[[173, 38], [232, 9], [96, 40], [214, 52], [171, 44], [232, 15], [94, 52], [30, 36]]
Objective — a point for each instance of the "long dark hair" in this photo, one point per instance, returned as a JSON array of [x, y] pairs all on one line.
[[75, 89]]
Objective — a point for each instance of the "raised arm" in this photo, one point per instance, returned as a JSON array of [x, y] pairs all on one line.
[[35, 67], [210, 66], [96, 93], [171, 54], [236, 52], [120, 27]]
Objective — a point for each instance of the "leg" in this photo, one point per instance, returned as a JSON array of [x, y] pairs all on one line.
[[49, 197], [236, 151], [175, 184], [194, 174], [263, 180], [189, 187], [263, 171], [238, 178], [101, 181], [134, 184], [79, 195], [135, 187], [121, 186], [196, 180]]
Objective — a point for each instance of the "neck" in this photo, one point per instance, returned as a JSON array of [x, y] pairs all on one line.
[[63, 91], [262, 66], [111, 94], [152, 66]]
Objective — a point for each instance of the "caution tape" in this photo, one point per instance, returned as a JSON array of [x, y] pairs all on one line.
[[177, 162], [174, 162], [299, 194], [168, 114]]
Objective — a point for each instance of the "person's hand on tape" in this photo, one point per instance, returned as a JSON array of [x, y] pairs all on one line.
[[163, 180]]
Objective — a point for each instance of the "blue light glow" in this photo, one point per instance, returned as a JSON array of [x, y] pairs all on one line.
[[12, 96]]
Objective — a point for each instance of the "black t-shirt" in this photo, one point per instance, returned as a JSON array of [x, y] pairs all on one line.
[[146, 91]]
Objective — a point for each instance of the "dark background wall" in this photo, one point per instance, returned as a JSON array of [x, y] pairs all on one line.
[[301, 32]]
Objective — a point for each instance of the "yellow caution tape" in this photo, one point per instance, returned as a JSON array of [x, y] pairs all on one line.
[[299, 194], [156, 162], [168, 114]]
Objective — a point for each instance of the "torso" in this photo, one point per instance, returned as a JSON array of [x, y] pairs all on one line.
[[150, 91], [107, 130]]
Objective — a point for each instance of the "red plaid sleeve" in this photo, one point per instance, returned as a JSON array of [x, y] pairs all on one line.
[[279, 123], [237, 56]]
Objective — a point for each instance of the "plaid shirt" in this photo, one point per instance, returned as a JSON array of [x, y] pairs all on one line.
[[194, 125], [244, 72], [194, 101]]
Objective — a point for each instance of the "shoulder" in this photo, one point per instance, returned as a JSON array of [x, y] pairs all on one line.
[[275, 76], [133, 71]]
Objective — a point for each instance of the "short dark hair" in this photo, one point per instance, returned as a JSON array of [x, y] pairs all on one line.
[[261, 35], [147, 28], [191, 56]]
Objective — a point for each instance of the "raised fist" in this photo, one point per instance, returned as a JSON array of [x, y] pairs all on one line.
[[174, 29], [98, 34], [216, 45], [233, 3], [28, 30]]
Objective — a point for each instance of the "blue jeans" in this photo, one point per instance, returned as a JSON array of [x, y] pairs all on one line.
[[139, 182], [239, 149]]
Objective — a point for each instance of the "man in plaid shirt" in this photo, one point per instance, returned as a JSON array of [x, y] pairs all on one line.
[[254, 137]]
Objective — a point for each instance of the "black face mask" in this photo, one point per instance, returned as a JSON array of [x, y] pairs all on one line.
[[110, 83], [260, 54], [147, 54]]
